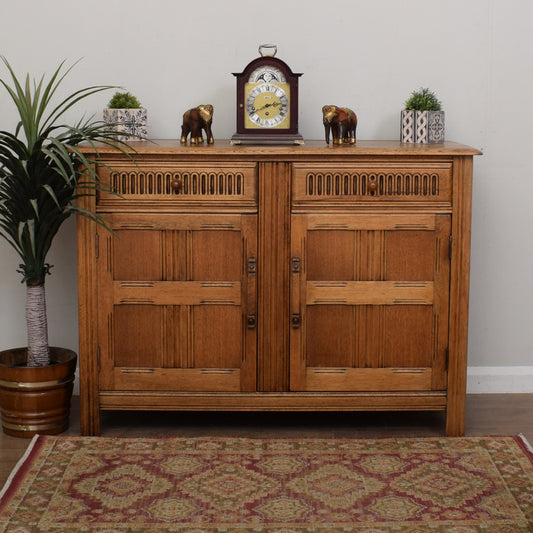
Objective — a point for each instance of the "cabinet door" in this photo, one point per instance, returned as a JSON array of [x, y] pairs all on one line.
[[177, 302], [369, 302]]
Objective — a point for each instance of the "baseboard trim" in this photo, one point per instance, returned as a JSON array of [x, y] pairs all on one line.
[[480, 380], [499, 379]]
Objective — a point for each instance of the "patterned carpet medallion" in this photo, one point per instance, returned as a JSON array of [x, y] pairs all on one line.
[[461, 485]]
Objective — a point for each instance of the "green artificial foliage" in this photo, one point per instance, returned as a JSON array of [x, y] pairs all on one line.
[[124, 101], [423, 100], [43, 171]]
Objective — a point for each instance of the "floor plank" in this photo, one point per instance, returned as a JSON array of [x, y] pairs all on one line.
[[486, 414]]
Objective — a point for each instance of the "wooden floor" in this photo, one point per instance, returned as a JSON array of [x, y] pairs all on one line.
[[486, 414]]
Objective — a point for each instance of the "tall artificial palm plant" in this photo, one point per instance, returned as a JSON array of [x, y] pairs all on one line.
[[42, 172]]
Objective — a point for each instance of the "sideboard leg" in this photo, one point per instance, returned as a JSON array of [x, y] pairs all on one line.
[[89, 415], [455, 422]]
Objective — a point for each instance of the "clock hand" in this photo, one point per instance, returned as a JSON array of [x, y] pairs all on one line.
[[261, 108], [275, 104]]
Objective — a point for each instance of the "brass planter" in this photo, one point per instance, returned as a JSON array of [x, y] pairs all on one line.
[[36, 399]]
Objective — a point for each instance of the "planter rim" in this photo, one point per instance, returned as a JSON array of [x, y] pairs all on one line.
[[15, 358], [124, 108]]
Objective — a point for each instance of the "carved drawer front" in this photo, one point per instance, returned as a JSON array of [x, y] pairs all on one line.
[[190, 184], [379, 182]]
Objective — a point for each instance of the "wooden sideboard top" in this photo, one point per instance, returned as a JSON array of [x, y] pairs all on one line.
[[223, 147]]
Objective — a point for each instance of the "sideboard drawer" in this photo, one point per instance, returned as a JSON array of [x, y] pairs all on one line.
[[174, 184], [376, 183]]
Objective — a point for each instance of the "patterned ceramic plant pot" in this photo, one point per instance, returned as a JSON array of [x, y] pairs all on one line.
[[133, 122], [422, 126]]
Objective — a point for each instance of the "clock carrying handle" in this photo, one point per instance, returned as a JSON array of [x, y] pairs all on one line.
[[263, 46]]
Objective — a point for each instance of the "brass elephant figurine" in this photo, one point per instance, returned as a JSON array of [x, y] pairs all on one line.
[[194, 121], [342, 122]]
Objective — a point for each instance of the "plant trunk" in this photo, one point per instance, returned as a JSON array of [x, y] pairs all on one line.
[[36, 322]]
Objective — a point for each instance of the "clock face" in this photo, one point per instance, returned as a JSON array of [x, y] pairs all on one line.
[[267, 105]]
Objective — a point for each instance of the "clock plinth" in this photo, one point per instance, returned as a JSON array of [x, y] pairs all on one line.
[[247, 138]]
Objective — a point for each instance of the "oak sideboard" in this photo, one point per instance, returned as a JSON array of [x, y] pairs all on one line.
[[283, 278]]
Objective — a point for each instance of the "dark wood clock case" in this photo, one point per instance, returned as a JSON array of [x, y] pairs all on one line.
[[272, 135]]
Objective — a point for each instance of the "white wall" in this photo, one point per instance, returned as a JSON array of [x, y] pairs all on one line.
[[368, 55]]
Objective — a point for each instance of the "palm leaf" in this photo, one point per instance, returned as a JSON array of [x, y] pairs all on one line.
[[42, 170]]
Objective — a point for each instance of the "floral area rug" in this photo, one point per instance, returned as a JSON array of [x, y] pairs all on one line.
[[236, 485]]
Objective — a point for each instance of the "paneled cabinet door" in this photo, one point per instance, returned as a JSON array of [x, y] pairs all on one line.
[[369, 302], [177, 302]]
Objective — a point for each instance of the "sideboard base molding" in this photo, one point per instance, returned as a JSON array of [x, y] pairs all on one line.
[[271, 401]]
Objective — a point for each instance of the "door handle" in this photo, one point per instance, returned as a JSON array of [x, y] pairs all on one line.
[[296, 320], [251, 321]]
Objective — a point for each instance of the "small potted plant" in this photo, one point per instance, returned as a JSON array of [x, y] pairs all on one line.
[[125, 114], [42, 172], [422, 118]]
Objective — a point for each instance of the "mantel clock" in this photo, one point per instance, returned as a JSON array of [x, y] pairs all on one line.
[[267, 101]]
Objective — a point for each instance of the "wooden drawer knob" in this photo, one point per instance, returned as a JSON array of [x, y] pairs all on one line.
[[372, 186], [176, 184]]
